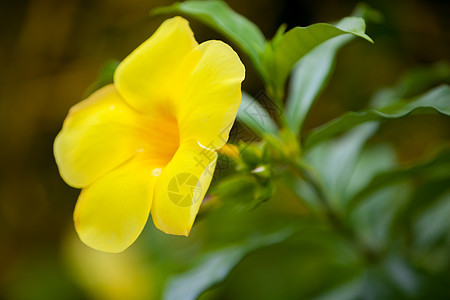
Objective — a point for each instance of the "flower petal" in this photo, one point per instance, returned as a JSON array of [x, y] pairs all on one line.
[[99, 133], [180, 189], [111, 213], [103, 131], [142, 77], [209, 87]]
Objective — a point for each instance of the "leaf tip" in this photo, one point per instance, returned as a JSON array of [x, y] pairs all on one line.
[[164, 9]]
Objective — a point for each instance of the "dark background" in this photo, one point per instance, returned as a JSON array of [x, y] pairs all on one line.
[[52, 50]]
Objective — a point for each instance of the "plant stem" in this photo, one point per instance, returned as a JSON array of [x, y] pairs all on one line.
[[277, 99]]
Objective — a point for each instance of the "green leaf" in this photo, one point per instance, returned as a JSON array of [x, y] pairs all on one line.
[[434, 224], [335, 160], [436, 100], [413, 83], [427, 191], [215, 266], [309, 77], [311, 74], [373, 219], [279, 34], [279, 58], [437, 167], [105, 76], [255, 117], [373, 160], [348, 290], [219, 16], [403, 276], [391, 278]]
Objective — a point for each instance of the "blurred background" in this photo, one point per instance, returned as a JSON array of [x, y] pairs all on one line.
[[51, 51]]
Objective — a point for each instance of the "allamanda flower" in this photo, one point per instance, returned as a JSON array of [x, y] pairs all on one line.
[[147, 142]]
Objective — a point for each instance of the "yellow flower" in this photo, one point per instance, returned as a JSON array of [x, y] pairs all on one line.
[[147, 143]]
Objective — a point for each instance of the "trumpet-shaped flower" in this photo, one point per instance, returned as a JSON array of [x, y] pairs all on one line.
[[146, 144]]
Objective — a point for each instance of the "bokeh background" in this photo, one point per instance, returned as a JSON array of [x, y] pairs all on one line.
[[51, 51]]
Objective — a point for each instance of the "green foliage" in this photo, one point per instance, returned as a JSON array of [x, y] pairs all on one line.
[[309, 77], [311, 73], [335, 160], [281, 55], [348, 218], [437, 167], [215, 266], [434, 101], [416, 81]]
